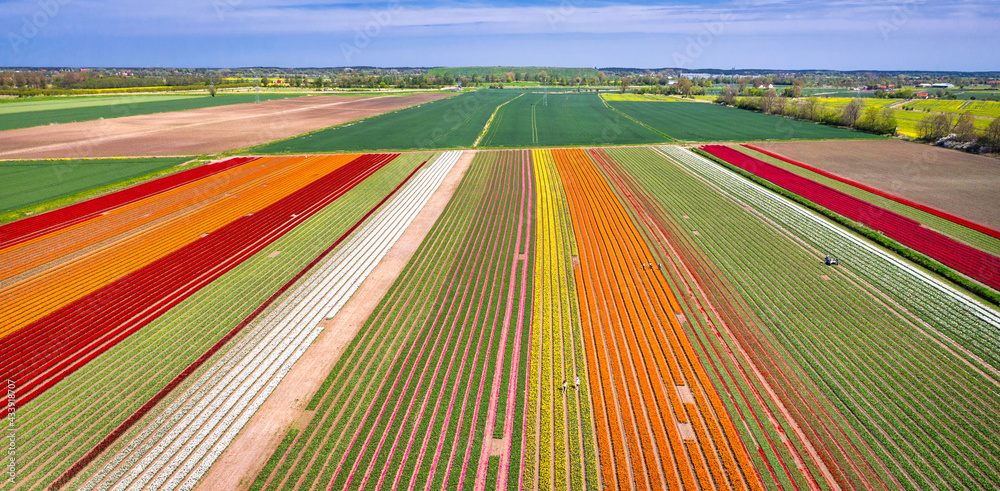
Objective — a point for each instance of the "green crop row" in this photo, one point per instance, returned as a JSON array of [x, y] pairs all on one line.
[[427, 350], [563, 119]]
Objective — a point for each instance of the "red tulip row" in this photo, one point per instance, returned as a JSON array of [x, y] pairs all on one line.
[[46, 351], [37, 225], [968, 260], [933, 211]]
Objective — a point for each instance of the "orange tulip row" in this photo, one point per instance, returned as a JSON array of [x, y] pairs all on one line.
[[659, 352], [24, 256], [641, 440], [43, 294]]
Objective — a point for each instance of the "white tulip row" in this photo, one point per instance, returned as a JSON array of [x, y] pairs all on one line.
[[176, 449], [946, 307]]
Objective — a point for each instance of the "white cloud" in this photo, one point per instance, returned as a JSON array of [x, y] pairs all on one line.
[[408, 18]]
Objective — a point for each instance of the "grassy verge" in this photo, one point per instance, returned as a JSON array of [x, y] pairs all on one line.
[[44, 197]]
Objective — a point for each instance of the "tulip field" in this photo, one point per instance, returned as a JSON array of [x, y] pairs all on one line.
[[147, 356], [614, 318]]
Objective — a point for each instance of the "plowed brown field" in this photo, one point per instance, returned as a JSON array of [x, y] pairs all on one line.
[[198, 131], [959, 183]]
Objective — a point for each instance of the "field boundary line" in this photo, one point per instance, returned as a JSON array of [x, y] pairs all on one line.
[[487, 127]]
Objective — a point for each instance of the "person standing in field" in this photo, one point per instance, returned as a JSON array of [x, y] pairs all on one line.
[[564, 386], [577, 382]]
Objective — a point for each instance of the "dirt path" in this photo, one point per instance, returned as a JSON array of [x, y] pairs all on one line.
[[197, 131], [237, 467]]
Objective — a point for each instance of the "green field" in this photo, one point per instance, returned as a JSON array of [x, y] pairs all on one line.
[[562, 120], [638, 97], [830, 92], [711, 122], [15, 106], [530, 118], [444, 123], [30, 182], [978, 94], [27, 114]]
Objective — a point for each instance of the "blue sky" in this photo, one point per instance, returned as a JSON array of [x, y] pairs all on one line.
[[804, 34]]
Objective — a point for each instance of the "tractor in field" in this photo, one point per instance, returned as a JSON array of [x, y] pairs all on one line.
[[831, 260]]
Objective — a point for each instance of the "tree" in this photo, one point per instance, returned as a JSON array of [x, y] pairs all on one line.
[[878, 122], [797, 86], [211, 90], [888, 122], [965, 127], [933, 127], [684, 86], [624, 86], [729, 95], [779, 105], [851, 113], [767, 101], [810, 109], [991, 135]]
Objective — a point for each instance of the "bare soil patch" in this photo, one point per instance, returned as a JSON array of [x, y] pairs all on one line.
[[198, 131], [238, 466], [684, 394], [959, 183], [686, 431]]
